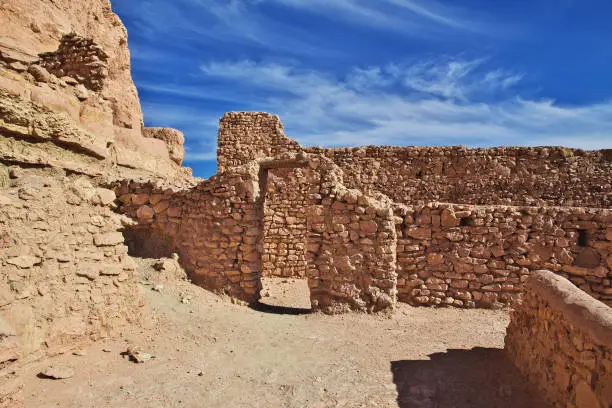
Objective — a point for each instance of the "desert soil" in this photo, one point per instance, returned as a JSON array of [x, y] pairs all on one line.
[[210, 352]]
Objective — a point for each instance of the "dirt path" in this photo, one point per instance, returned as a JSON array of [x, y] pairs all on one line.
[[212, 353]]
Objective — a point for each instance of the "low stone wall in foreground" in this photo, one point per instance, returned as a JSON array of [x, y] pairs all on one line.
[[561, 339]]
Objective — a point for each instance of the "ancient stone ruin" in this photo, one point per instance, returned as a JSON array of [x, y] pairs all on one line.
[[459, 227], [84, 185]]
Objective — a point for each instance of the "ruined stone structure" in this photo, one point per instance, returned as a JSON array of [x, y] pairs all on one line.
[[464, 255], [78, 59], [560, 338], [70, 124], [82, 180], [517, 210], [218, 228], [480, 255]]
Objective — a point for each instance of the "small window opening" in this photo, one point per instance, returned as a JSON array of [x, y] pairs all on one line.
[[466, 222], [583, 238]]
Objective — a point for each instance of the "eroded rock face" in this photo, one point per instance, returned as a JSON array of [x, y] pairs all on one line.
[[72, 59], [173, 138], [32, 27], [70, 127]]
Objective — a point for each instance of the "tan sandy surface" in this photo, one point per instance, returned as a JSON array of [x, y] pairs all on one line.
[[210, 352]]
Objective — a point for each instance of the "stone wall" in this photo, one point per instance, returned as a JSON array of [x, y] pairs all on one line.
[[65, 276], [79, 59], [215, 227], [462, 255], [560, 338], [450, 254], [218, 230], [246, 136], [351, 247], [533, 176]]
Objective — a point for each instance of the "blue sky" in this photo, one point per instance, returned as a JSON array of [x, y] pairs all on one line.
[[377, 72]]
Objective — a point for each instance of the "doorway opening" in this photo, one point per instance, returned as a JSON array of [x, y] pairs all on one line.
[[285, 295], [284, 279]]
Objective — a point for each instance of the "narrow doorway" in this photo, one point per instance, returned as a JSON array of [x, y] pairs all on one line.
[[283, 275]]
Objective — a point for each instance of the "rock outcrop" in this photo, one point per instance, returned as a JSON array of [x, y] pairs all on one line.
[[71, 61], [174, 140], [70, 126]]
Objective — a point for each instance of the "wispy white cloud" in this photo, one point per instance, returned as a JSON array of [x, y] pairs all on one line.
[[242, 22], [425, 103], [196, 23], [457, 79], [406, 16]]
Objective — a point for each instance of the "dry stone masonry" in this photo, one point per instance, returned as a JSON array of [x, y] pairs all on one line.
[[82, 182], [463, 255], [521, 176], [285, 227], [560, 338], [244, 137], [479, 256], [79, 59], [519, 209], [533, 176], [219, 227], [215, 228]]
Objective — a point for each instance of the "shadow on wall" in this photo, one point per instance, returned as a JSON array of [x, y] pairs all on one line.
[[480, 377], [147, 243]]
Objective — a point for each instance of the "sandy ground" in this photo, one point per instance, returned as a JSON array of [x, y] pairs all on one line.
[[210, 352], [285, 293]]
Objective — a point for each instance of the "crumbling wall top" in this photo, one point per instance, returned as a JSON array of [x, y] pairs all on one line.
[[246, 136]]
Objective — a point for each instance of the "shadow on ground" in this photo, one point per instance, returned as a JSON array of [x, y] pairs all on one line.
[[263, 307], [480, 377]]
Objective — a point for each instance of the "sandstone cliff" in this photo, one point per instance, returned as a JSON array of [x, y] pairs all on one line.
[[66, 63], [70, 125]]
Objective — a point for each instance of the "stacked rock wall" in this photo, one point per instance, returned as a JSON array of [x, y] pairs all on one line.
[[560, 338], [215, 227], [218, 230], [65, 276], [78, 58], [351, 247], [246, 136], [480, 255], [532, 176], [417, 175], [453, 254]]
